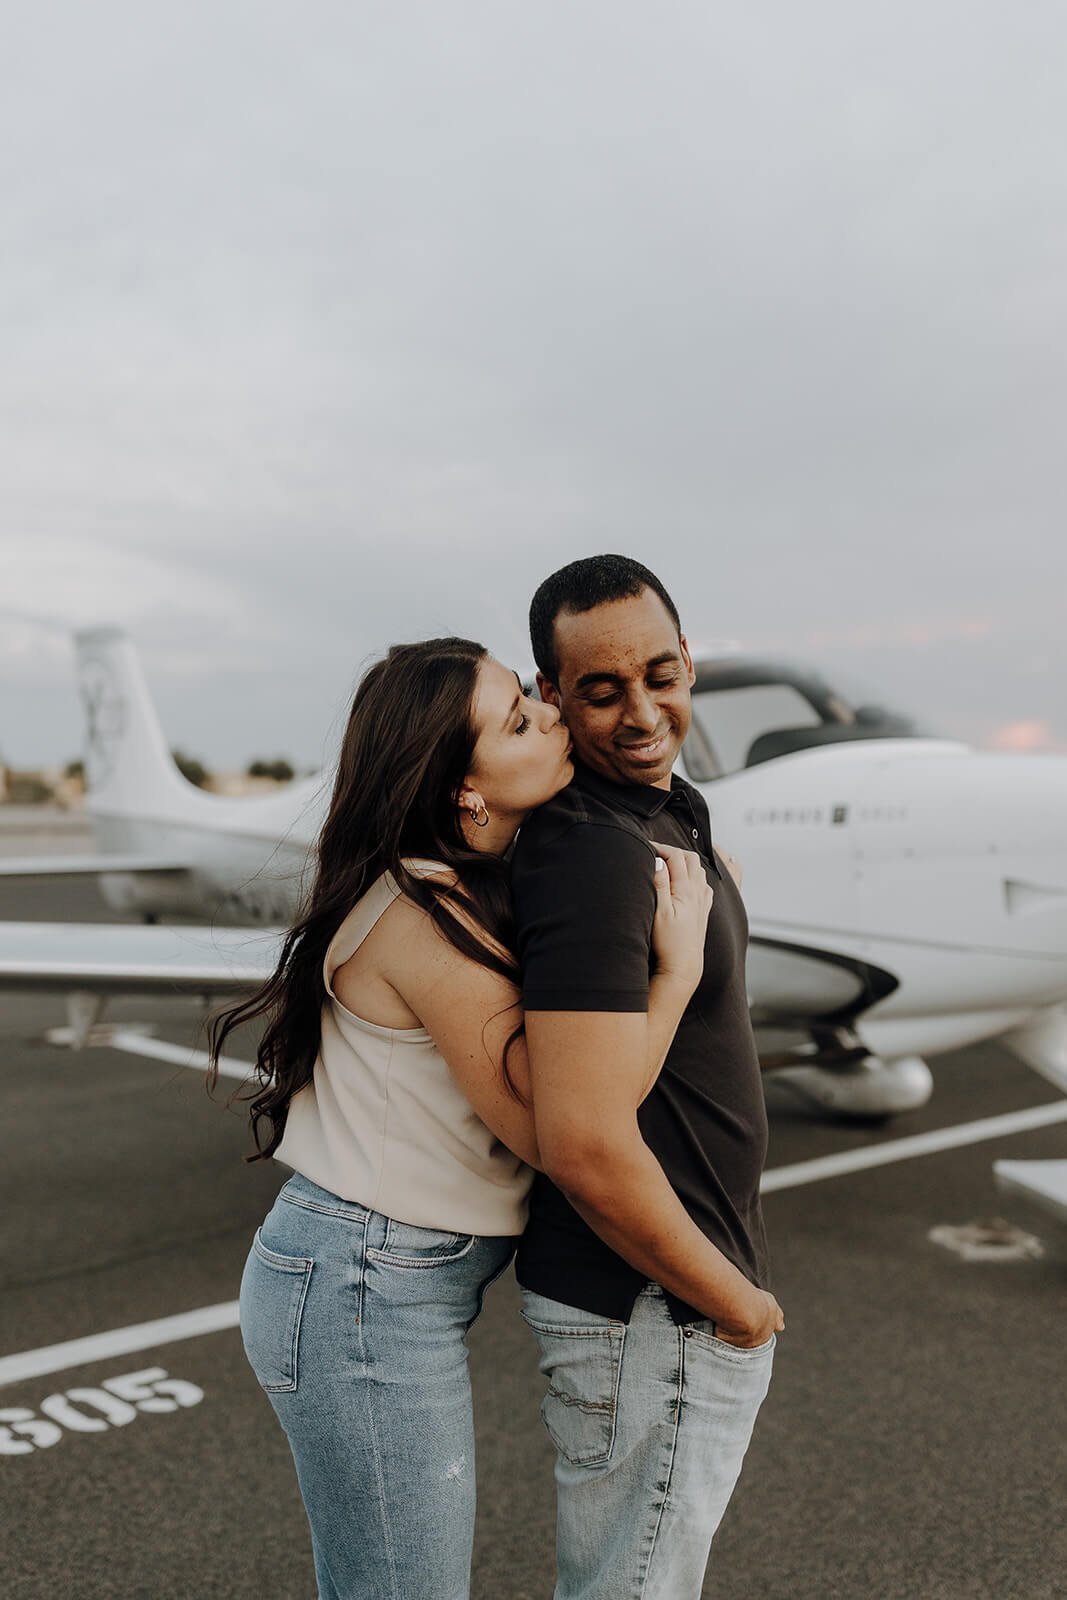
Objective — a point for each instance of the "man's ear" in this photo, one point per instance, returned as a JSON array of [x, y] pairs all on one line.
[[687, 658], [548, 691]]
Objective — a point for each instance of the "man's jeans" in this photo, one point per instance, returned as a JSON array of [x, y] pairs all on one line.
[[354, 1326], [651, 1423]]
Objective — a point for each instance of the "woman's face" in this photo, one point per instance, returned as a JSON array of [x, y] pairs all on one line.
[[522, 752]]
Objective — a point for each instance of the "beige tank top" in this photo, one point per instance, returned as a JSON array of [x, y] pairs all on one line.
[[383, 1122]]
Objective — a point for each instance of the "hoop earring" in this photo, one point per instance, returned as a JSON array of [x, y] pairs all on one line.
[[482, 822]]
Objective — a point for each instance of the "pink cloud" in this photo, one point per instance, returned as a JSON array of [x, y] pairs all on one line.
[[1025, 735]]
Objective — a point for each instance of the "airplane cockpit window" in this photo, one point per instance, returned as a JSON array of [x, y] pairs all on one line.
[[746, 712], [739, 718]]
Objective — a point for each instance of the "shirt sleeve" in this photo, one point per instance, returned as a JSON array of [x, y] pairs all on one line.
[[584, 901]]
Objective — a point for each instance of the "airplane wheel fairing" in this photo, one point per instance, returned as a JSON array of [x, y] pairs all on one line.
[[873, 1089]]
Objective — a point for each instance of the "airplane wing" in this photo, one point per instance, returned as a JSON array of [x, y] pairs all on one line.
[[787, 982], [789, 986], [87, 865], [110, 958]]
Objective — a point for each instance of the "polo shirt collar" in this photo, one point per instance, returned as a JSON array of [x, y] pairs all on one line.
[[643, 799]]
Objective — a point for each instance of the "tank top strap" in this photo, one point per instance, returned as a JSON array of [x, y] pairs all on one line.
[[366, 913], [420, 867]]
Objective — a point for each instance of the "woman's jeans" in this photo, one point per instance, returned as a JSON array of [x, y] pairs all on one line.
[[650, 1422], [354, 1325]]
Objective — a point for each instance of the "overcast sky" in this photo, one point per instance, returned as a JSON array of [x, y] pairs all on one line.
[[330, 325]]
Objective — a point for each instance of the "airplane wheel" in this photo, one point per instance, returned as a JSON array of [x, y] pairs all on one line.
[[870, 1092]]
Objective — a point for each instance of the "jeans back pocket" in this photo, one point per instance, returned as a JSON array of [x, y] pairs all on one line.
[[405, 1245], [582, 1365], [273, 1290]]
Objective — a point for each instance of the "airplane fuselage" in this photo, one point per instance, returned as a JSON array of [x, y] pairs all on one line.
[[943, 866], [237, 876]]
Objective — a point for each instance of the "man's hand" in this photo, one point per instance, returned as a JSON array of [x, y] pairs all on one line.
[[766, 1318]]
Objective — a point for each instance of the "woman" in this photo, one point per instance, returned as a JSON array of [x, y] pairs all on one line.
[[393, 1080]]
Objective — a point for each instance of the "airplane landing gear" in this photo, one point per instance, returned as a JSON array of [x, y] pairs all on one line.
[[871, 1088], [835, 1071]]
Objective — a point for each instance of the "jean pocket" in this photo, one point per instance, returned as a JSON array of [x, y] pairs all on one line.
[[273, 1291], [407, 1246], [582, 1365], [739, 1353]]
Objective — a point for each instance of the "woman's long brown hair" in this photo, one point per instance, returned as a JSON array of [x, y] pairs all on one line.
[[407, 750]]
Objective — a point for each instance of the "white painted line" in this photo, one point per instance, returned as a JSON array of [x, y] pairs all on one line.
[[141, 1044], [119, 1342], [920, 1144], [211, 1319]]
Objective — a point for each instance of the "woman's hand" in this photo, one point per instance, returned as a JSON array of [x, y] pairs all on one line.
[[732, 865], [683, 904]]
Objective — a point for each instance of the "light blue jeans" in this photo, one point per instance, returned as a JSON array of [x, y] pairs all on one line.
[[651, 1423], [354, 1325]]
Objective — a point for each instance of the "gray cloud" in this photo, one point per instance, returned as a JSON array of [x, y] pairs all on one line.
[[327, 327]]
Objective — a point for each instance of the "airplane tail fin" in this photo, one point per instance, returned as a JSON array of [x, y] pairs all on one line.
[[128, 767]]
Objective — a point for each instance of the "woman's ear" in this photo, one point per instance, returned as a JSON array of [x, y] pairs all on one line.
[[468, 799]]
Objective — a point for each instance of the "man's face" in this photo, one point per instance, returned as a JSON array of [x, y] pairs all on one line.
[[623, 691]]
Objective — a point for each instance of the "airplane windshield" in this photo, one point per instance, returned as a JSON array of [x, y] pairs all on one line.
[[746, 712]]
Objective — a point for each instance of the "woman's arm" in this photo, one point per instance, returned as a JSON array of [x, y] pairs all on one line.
[[471, 1012]]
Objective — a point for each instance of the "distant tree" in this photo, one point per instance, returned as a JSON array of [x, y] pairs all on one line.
[[280, 770], [27, 789], [190, 768]]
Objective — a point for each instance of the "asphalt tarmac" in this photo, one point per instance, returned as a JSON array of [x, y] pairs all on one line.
[[913, 1446]]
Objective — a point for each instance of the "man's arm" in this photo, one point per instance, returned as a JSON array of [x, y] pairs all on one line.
[[585, 904], [588, 1071]]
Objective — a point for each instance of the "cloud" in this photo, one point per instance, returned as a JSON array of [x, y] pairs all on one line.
[[326, 329]]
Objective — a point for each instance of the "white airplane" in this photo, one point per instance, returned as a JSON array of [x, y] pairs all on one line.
[[164, 847], [906, 895]]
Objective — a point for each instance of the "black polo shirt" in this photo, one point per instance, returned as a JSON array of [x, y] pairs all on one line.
[[582, 883]]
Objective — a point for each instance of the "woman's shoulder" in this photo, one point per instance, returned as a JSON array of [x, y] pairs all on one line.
[[436, 871], [414, 922], [382, 913]]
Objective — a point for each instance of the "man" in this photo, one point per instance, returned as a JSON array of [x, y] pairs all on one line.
[[643, 1265]]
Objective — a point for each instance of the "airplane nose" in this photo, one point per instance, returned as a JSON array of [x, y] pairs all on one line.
[[979, 839], [1025, 819]]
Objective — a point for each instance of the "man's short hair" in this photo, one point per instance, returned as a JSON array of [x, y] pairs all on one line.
[[581, 586]]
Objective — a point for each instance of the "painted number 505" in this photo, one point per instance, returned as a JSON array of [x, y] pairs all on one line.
[[83, 1410]]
